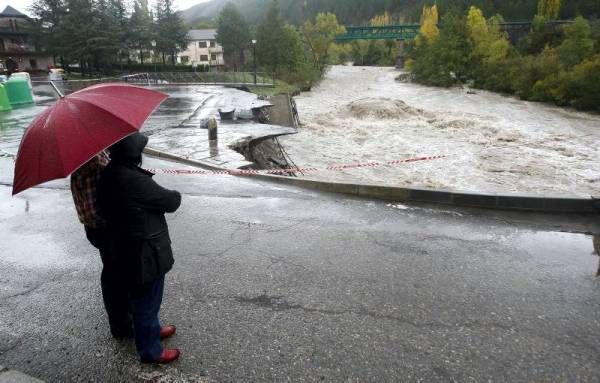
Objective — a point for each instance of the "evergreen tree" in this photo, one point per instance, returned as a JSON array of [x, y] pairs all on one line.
[[79, 32], [270, 36], [47, 28], [293, 55], [171, 33], [109, 24], [141, 29], [233, 34]]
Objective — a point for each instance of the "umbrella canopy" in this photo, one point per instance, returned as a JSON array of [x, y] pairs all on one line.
[[79, 126]]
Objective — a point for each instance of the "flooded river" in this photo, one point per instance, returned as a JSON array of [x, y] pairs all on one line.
[[493, 143]]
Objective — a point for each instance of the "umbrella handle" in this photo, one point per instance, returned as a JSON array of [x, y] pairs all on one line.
[[56, 90]]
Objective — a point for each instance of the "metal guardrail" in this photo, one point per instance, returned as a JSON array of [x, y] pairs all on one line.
[[262, 79]]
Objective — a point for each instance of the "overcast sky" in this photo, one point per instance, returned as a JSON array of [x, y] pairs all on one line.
[[22, 5]]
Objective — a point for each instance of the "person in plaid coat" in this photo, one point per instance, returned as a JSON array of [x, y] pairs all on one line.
[[84, 183]]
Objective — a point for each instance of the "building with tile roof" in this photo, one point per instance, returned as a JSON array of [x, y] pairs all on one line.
[[17, 53]]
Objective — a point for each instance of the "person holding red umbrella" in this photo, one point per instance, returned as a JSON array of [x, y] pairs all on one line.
[[134, 208], [65, 139], [84, 183]]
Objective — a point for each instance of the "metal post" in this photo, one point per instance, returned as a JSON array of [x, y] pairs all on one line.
[[213, 142], [254, 45], [212, 130], [400, 58]]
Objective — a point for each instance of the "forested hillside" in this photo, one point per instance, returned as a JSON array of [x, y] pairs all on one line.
[[352, 12]]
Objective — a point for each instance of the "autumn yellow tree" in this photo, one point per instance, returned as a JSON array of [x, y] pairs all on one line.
[[489, 42], [381, 20], [387, 46], [548, 9], [429, 25]]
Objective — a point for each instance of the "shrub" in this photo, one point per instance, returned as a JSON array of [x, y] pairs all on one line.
[[583, 89], [578, 44], [533, 69]]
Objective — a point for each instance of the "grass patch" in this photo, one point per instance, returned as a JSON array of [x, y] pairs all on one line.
[[281, 87]]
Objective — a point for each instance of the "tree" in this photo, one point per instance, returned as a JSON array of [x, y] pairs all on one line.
[[293, 55], [489, 42], [78, 32], [340, 53], [278, 45], [446, 60], [584, 89], [141, 25], [47, 26], [578, 44], [270, 38], [360, 50], [233, 34], [385, 50], [171, 33], [380, 20], [429, 24], [319, 37], [548, 9], [110, 31]]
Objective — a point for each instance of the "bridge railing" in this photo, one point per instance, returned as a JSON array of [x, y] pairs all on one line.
[[386, 32], [410, 31]]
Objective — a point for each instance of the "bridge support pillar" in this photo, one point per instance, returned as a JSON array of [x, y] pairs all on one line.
[[400, 58]]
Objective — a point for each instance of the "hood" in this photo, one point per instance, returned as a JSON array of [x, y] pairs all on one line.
[[129, 149]]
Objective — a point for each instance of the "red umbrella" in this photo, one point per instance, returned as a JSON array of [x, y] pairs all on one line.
[[79, 126]]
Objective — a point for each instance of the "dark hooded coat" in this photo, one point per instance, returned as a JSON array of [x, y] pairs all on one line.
[[134, 207]]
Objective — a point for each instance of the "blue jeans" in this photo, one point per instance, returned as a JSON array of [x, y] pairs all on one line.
[[146, 326]]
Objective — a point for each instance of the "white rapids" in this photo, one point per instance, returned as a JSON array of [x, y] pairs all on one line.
[[493, 143]]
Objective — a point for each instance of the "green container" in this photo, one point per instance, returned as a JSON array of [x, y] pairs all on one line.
[[4, 102], [18, 91]]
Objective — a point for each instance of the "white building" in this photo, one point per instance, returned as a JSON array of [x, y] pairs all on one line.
[[202, 49]]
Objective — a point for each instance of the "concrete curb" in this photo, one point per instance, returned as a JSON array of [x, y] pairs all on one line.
[[186, 161], [400, 194]]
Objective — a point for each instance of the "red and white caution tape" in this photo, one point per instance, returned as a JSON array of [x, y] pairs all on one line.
[[252, 172]]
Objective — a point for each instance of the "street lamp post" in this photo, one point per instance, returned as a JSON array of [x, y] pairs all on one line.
[[254, 55], [153, 42]]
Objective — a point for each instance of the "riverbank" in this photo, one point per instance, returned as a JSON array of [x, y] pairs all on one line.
[[493, 144]]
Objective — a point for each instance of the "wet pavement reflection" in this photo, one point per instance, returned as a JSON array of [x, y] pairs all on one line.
[[174, 127]]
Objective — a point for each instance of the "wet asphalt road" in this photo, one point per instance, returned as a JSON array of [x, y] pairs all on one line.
[[275, 283]]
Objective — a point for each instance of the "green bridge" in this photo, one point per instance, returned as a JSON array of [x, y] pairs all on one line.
[[402, 32], [388, 32]]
